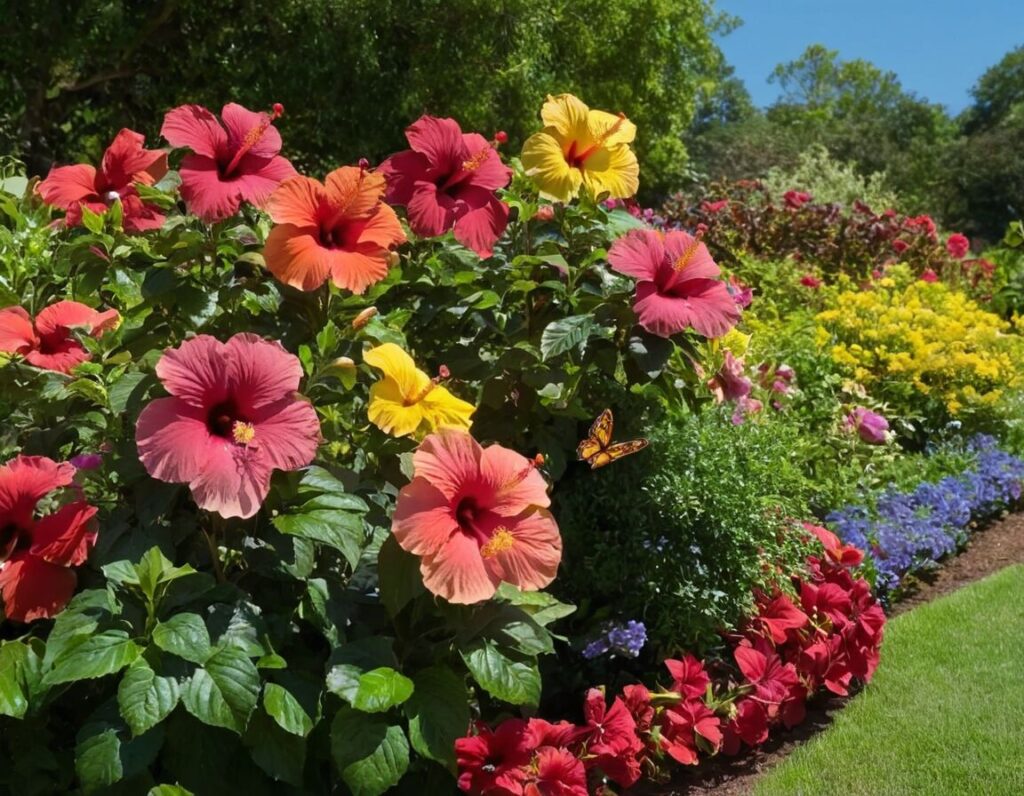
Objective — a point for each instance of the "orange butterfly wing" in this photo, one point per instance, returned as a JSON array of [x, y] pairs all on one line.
[[597, 449]]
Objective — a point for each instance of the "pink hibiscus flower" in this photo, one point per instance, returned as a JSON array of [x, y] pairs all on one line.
[[233, 160], [447, 181], [232, 419], [476, 517], [36, 555], [678, 286], [49, 342], [125, 163]]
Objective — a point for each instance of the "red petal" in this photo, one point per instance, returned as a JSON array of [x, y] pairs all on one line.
[[66, 536], [34, 589], [16, 333], [193, 126], [65, 186]]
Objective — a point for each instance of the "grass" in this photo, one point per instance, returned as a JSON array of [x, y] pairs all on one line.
[[944, 714]]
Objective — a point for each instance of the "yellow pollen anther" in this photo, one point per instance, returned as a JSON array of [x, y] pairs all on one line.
[[687, 254], [244, 433], [501, 542], [476, 161]]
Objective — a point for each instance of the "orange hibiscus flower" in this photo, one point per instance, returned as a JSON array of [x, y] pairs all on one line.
[[341, 229]]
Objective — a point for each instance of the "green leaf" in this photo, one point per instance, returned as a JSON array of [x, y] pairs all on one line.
[[338, 529], [285, 709], [566, 334], [98, 760], [503, 678], [374, 691], [224, 692], [145, 698], [13, 701], [169, 790], [184, 635], [371, 754], [438, 713], [398, 575], [281, 755], [99, 655], [124, 389]]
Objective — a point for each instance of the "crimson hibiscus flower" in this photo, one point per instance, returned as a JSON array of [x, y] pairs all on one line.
[[234, 159], [611, 739], [749, 725], [447, 181], [36, 555], [689, 677], [49, 343], [492, 761], [681, 726], [125, 163], [764, 670], [847, 555], [555, 772], [778, 616]]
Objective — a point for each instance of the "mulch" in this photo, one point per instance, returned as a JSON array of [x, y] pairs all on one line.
[[989, 550]]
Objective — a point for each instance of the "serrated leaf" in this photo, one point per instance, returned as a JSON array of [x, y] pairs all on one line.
[[13, 701], [224, 692], [503, 678], [96, 656], [566, 334], [371, 754], [338, 529], [284, 708], [184, 635], [98, 760], [145, 698], [438, 714], [281, 755]]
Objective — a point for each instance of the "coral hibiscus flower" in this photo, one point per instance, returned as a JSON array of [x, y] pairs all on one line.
[[339, 229], [476, 517], [447, 181], [678, 286], [49, 342], [125, 163], [406, 399], [36, 555], [232, 418], [581, 147], [234, 159]]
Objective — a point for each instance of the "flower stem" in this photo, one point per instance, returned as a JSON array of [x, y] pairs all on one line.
[[218, 571]]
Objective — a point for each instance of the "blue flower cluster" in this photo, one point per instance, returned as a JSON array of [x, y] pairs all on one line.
[[626, 639], [907, 531]]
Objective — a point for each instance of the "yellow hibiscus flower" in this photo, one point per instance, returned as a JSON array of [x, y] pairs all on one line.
[[406, 398], [579, 146]]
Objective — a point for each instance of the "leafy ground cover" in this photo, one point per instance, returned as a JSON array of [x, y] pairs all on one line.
[[944, 715]]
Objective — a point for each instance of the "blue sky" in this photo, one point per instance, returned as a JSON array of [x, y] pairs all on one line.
[[938, 48]]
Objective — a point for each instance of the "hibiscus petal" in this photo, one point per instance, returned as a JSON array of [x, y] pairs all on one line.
[[297, 201], [206, 194], [34, 589], [255, 179], [63, 356], [439, 139], [24, 481], [173, 439], [450, 460], [707, 307], [65, 186], [480, 229], [568, 115], [396, 364], [610, 128], [295, 256], [388, 411], [240, 122], [63, 315], [359, 269], [195, 371], [402, 171], [16, 333], [531, 562], [752, 663], [354, 192], [193, 126], [431, 213], [699, 264], [233, 482], [288, 433], [66, 536], [490, 173], [457, 572], [545, 162], [612, 170], [127, 161], [513, 480], [423, 520], [444, 410], [639, 253], [261, 371], [382, 229]]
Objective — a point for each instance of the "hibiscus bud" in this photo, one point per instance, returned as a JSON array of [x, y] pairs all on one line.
[[364, 164], [393, 259], [342, 363], [364, 317], [538, 460], [443, 372], [544, 213], [277, 110], [501, 137]]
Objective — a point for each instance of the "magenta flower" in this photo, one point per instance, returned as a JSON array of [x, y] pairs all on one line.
[[678, 285], [871, 426], [234, 159], [730, 383], [447, 181], [232, 419], [958, 245], [742, 294], [796, 199]]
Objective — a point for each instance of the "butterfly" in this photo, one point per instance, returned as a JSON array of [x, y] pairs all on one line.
[[597, 449]]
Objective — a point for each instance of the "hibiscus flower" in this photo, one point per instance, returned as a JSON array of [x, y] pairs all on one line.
[[958, 245], [749, 725], [476, 517], [406, 399], [447, 181], [492, 761], [339, 229], [49, 343], [232, 419], [840, 553], [681, 726], [125, 163], [555, 772], [730, 383], [36, 555], [581, 147], [689, 678], [678, 286], [610, 738], [234, 159], [771, 678], [778, 616]]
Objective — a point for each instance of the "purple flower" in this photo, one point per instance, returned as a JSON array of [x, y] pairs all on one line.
[[871, 426], [626, 639], [87, 461]]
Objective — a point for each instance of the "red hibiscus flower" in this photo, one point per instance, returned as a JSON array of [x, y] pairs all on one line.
[[928, 275], [922, 223], [492, 761], [36, 555], [234, 159], [638, 702], [447, 181], [689, 677], [611, 739], [826, 600], [476, 517], [49, 342], [899, 246], [847, 555], [125, 163], [555, 772], [713, 208], [678, 286], [681, 725], [749, 725], [824, 662], [778, 616], [232, 419], [770, 677], [339, 230]]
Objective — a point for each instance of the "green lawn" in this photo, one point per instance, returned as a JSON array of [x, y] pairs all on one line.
[[944, 714]]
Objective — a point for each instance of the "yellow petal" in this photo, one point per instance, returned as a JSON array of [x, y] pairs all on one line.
[[387, 409], [441, 409], [398, 366], [612, 170], [568, 116], [611, 128], [545, 163]]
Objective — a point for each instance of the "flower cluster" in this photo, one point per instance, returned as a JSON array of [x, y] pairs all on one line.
[[905, 531], [620, 638], [784, 654]]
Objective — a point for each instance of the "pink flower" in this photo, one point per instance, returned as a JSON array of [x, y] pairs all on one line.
[[958, 245], [869, 425], [232, 419], [730, 383], [923, 223], [447, 181], [796, 199], [811, 281], [928, 275], [713, 208], [49, 342], [125, 163], [678, 286], [745, 407], [234, 159], [742, 294], [36, 555], [476, 517], [899, 246], [771, 678]]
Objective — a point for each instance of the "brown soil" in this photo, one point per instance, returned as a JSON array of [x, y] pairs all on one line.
[[989, 550]]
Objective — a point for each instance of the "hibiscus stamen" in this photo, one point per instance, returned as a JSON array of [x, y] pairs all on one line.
[[243, 433], [442, 375], [501, 542], [683, 260], [477, 160], [254, 135], [578, 160]]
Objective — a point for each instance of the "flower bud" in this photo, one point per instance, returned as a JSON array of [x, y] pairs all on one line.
[[364, 317]]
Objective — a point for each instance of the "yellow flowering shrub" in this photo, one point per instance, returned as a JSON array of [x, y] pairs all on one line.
[[922, 346]]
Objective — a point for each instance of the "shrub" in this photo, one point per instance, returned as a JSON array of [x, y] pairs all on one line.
[[830, 181]]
